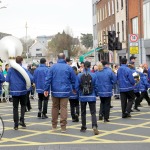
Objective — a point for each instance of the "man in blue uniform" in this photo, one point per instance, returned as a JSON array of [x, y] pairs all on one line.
[[62, 78], [106, 79], [126, 86], [39, 79], [17, 85]]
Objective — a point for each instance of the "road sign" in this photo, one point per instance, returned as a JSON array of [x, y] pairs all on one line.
[[133, 44], [134, 49], [133, 37]]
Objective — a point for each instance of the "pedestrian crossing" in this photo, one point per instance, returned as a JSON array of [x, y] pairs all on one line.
[[38, 132]]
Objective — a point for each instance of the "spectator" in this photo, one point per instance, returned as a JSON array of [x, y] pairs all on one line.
[[68, 61]]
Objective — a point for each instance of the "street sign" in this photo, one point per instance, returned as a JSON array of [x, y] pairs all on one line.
[[133, 44], [133, 37], [134, 50]]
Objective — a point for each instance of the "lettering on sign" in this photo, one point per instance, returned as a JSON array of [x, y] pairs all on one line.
[[133, 37]]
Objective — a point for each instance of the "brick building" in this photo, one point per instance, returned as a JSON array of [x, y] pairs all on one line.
[[120, 19], [135, 25], [105, 23], [146, 19]]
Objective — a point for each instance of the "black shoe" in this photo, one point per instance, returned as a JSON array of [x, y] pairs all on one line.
[[15, 126], [22, 124], [44, 116], [106, 120], [76, 118], [132, 110], [136, 109], [73, 120], [140, 105], [100, 117], [128, 115], [39, 115], [29, 108], [124, 115], [83, 129], [10, 100], [111, 106]]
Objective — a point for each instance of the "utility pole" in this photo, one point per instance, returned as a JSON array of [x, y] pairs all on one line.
[[26, 27]]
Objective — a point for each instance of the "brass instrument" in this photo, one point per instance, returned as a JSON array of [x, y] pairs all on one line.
[[10, 47], [136, 77]]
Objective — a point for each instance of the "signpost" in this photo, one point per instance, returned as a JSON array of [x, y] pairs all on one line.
[[134, 44]]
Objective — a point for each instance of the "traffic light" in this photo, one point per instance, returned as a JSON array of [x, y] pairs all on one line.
[[118, 45], [111, 40]]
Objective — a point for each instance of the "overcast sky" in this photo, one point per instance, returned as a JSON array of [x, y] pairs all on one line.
[[45, 17]]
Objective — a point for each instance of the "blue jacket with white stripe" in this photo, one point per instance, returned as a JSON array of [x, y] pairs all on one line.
[[74, 96], [39, 76], [2, 79], [90, 97], [144, 84], [125, 78], [106, 79], [61, 78], [17, 83]]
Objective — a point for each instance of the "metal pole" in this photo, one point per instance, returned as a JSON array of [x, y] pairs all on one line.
[[127, 29], [26, 41]]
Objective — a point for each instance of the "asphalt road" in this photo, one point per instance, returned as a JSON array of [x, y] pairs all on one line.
[[119, 134]]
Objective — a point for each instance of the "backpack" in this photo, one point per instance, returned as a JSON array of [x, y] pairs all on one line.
[[86, 84]]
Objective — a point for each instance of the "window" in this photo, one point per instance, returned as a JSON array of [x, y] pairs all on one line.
[[118, 30], [113, 7], [99, 36], [117, 5], [94, 10], [122, 30], [108, 8], [146, 16], [94, 32], [135, 25], [97, 16], [121, 4], [110, 28], [105, 11], [105, 35], [100, 15], [38, 49], [39, 55], [113, 27]]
